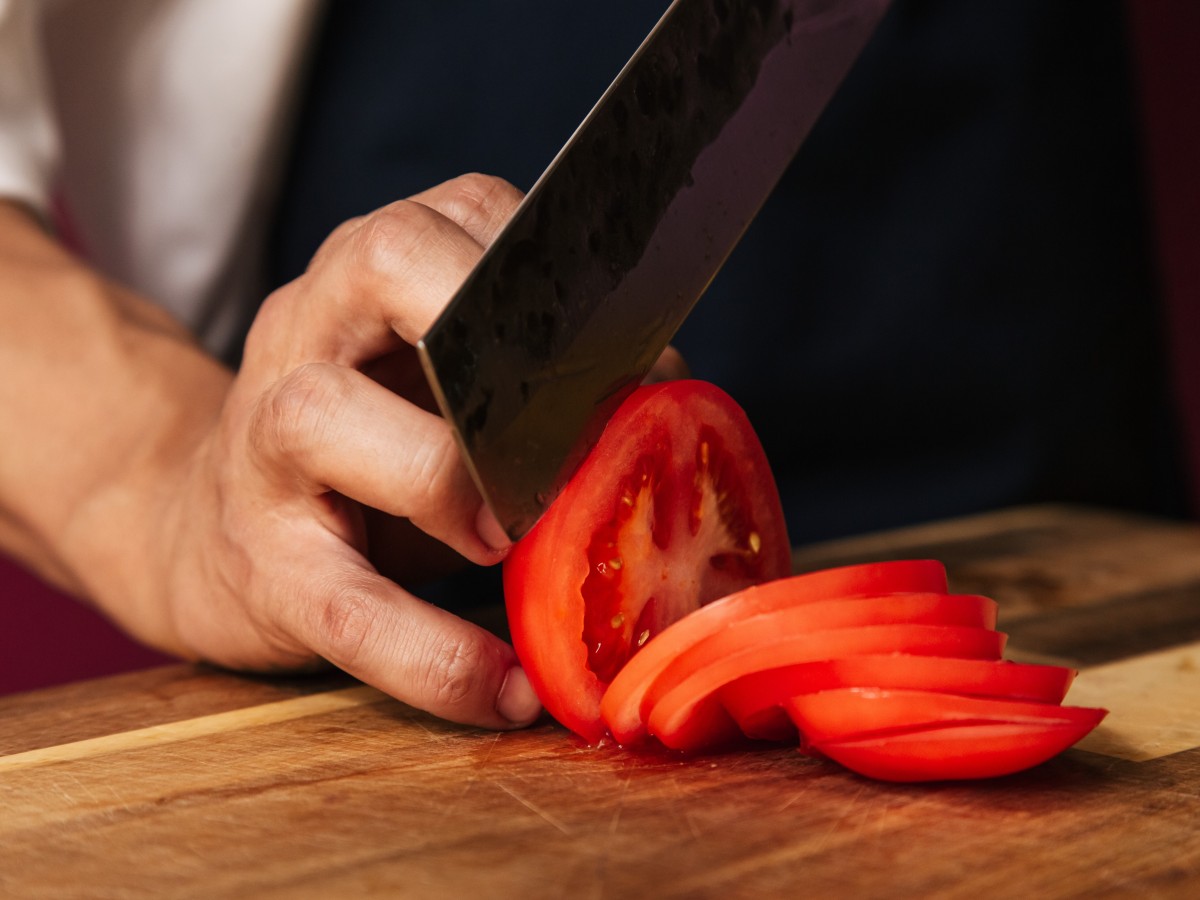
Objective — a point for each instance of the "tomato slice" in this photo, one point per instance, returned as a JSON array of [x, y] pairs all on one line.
[[903, 735], [683, 705], [755, 700], [955, 752], [847, 714], [623, 703], [673, 508]]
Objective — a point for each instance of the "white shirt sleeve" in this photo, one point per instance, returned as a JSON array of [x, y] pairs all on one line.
[[29, 145], [173, 119]]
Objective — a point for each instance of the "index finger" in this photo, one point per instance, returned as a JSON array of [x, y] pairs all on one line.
[[384, 279]]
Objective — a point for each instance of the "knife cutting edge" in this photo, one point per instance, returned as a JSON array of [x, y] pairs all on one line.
[[609, 251]]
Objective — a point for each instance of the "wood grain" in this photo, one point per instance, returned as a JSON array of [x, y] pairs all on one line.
[[195, 783], [1153, 702], [155, 736]]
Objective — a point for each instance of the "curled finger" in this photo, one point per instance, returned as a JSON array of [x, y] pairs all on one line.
[[379, 281], [327, 427]]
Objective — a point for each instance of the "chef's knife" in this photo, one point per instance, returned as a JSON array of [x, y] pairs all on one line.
[[609, 251]]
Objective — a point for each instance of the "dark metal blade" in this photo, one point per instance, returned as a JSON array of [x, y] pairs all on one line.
[[608, 253]]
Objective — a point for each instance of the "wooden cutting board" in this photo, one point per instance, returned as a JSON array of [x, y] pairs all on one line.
[[187, 782]]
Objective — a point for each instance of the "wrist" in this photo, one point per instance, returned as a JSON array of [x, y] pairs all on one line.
[[108, 397]]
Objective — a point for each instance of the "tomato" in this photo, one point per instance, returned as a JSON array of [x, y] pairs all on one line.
[[755, 700], [673, 508], [960, 751], [790, 635], [652, 599], [926, 735], [682, 704], [848, 713], [623, 704]]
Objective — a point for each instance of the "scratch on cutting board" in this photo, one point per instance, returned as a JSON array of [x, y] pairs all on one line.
[[472, 777], [490, 748], [534, 808], [790, 800], [838, 824], [616, 818]]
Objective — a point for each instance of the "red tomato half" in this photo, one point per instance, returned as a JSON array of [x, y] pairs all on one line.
[[674, 507], [755, 701], [685, 714], [623, 704], [924, 735]]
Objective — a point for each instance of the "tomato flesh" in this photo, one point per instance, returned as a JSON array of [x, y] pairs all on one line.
[[623, 703], [770, 639], [674, 507], [903, 735], [957, 752], [675, 701], [755, 700], [620, 554], [846, 714]]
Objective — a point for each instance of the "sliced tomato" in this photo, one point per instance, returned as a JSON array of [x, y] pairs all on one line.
[[673, 508], [682, 705], [622, 705], [956, 752], [904, 735], [847, 714], [746, 646], [755, 700]]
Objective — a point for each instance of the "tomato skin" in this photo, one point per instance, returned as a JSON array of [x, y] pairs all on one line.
[[958, 752], [908, 735], [705, 514], [624, 704], [755, 701], [676, 702]]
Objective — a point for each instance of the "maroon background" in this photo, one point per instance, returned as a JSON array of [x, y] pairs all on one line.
[[1166, 42], [48, 638]]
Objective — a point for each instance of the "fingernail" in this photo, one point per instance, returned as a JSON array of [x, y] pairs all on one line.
[[517, 702], [489, 530]]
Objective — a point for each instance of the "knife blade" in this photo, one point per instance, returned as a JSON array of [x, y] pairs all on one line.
[[611, 248]]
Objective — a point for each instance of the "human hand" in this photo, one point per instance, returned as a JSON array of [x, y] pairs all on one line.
[[265, 561]]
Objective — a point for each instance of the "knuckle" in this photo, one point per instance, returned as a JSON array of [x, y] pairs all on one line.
[[335, 239], [433, 473], [475, 198], [455, 676], [346, 618], [296, 416], [386, 241]]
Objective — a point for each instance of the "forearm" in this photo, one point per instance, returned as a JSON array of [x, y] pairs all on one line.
[[226, 519], [101, 395]]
